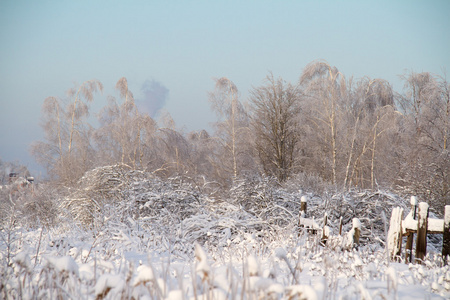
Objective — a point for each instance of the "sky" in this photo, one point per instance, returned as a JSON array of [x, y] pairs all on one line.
[[170, 51]]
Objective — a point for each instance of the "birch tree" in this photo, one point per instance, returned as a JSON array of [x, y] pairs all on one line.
[[232, 131], [66, 151], [325, 87], [123, 129], [375, 115]]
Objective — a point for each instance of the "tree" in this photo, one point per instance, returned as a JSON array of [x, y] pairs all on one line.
[[370, 117], [274, 120], [232, 131], [426, 105], [325, 87], [66, 152], [124, 131]]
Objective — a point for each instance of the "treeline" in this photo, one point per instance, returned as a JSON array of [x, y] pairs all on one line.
[[350, 133]]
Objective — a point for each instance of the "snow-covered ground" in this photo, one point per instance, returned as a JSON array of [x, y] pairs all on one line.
[[172, 240], [119, 264]]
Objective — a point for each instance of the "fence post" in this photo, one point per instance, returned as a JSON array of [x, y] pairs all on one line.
[[357, 231], [410, 238], [303, 204], [325, 230], [395, 233], [446, 237], [422, 224]]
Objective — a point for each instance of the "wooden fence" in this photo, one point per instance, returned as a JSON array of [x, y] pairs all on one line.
[[311, 226], [417, 222]]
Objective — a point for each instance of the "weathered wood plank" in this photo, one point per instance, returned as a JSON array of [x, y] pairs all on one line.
[[408, 248], [395, 233], [410, 238], [446, 233], [422, 224], [325, 231]]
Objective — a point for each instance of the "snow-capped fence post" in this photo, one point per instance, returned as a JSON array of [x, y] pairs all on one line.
[[410, 238], [422, 225], [310, 225], [303, 205], [355, 232], [395, 233], [446, 237], [325, 230]]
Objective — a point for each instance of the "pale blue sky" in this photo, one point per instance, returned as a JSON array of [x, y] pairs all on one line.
[[179, 46]]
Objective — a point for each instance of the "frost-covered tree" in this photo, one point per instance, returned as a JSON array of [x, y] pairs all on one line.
[[326, 89], [274, 121], [124, 131], [425, 134], [66, 151], [232, 129], [370, 118], [173, 152], [346, 125]]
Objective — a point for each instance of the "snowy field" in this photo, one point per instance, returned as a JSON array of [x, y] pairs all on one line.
[[128, 264], [169, 240]]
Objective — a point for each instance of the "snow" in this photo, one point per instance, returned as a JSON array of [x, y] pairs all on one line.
[[413, 201], [356, 223], [395, 231], [301, 291], [392, 277], [348, 240], [202, 266], [109, 284], [252, 266], [304, 199], [65, 264], [23, 260], [179, 243], [409, 222], [280, 253], [320, 272], [176, 295], [447, 214], [326, 231], [86, 272], [144, 275], [423, 212], [435, 225], [308, 223]]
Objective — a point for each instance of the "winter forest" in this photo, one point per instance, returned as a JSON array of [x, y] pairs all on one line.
[[138, 208]]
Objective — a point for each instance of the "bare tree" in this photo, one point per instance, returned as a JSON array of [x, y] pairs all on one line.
[[123, 130], [202, 147], [325, 87], [426, 168], [374, 115], [66, 151], [232, 128], [78, 109], [274, 116]]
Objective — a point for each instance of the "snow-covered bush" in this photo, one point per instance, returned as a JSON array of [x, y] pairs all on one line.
[[143, 234], [97, 188]]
